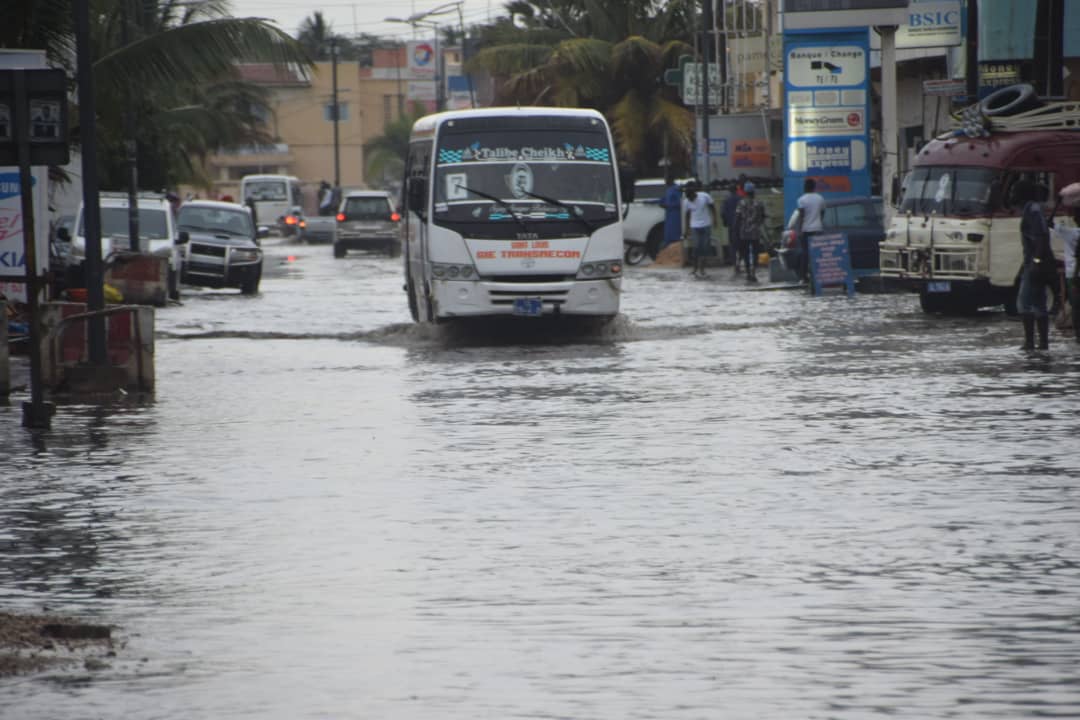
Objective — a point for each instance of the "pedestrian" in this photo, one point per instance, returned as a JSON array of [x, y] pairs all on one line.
[[750, 219], [1070, 238], [1039, 271], [671, 201], [326, 199], [728, 215], [700, 217], [807, 222]]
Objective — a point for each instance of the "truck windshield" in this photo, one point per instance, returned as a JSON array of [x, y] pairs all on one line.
[[571, 166], [949, 191]]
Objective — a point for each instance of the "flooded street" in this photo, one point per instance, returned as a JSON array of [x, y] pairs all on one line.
[[731, 503]]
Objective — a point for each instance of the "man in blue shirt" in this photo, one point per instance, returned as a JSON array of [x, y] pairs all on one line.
[[671, 201]]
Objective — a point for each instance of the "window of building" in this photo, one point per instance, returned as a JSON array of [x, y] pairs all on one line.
[[343, 112]]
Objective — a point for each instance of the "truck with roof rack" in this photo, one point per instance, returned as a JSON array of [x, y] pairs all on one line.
[[955, 235]]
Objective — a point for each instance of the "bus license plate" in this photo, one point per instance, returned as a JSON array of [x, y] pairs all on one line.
[[528, 307], [938, 286]]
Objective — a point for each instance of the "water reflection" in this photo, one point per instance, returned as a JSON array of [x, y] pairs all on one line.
[[755, 504]]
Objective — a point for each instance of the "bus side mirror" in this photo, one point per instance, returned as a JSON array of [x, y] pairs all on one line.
[[626, 184], [417, 195]]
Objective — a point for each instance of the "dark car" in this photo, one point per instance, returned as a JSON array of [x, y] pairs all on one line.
[[862, 219], [221, 246]]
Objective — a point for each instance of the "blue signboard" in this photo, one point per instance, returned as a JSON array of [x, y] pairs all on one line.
[[830, 262], [718, 147], [827, 112]]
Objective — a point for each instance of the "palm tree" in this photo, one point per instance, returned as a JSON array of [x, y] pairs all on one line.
[[623, 80], [173, 64], [385, 154]]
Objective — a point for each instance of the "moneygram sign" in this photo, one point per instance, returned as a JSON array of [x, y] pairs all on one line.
[[826, 111]]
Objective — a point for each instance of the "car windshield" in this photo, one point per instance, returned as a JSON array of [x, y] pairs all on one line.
[[153, 223], [367, 208], [219, 220], [649, 192], [265, 190], [558, 178], [949, 191]]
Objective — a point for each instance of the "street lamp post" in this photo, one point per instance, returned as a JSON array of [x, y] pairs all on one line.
[[421, 19]]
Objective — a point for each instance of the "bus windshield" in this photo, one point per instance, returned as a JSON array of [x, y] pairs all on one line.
[[547, 179], [272, 190], [952, 191]]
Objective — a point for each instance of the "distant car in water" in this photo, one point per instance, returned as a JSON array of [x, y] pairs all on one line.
[[367, 220], [862, 219], [221, 246]]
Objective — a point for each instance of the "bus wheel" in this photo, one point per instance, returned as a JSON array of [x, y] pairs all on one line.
[[410, 290]]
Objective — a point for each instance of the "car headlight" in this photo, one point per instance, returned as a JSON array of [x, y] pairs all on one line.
[[600, 269], [245, 255], [446, 271]]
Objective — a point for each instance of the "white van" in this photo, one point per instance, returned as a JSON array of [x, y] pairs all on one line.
[[157, 232], [276, 199]]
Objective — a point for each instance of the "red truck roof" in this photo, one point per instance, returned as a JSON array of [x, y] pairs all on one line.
[[1035, 150]]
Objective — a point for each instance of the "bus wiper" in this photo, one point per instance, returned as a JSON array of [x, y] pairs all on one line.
[[520, 220], [573, 209]]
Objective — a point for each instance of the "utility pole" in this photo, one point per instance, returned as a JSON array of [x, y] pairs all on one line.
[[706, 49], [95, 284], [336, 109], [130, 146], [889, 120], [971, 51]]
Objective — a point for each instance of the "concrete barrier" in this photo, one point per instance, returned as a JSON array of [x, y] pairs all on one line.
[[142, 279], [129, 331]]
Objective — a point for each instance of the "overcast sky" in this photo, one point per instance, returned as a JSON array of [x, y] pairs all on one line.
[[363, 16]]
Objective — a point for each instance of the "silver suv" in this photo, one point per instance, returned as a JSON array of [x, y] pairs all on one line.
[[221, 247], [367, 220]]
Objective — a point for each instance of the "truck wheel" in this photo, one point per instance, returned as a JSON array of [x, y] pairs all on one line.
[[173, 285], [339, 250], [251, 283], [654, 239], [635, 253]]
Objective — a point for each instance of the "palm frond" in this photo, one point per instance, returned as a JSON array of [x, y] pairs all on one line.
[[629, 124], [509, 59], [198, 52]]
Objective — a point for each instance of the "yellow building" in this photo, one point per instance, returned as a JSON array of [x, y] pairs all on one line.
[[302, 123]]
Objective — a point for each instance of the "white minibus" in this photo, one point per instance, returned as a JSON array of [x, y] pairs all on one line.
[[513, 211]]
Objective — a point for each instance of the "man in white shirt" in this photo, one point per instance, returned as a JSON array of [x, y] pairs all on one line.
[[811, 206], [700, 215], [1070, 236]]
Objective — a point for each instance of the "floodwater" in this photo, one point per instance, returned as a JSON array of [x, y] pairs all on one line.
[[730, 504]]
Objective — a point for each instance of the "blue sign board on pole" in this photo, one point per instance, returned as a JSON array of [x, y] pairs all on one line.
[[827, 112], [830, 262]]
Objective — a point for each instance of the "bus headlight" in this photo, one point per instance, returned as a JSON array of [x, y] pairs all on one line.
[[600, 269], [447, 271]]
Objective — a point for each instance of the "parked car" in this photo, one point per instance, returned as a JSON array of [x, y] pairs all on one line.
[[643, 226], [221, 246], [367, 220], [862, 219], [157, 233]]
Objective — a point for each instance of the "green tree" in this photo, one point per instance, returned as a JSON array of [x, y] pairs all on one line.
[[385, 154], [169, 64], [611, 56]]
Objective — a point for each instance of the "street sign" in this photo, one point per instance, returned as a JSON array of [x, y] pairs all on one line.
[[45, 102], [826, 122], [825, 66], [830, 262], [691, 84]]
